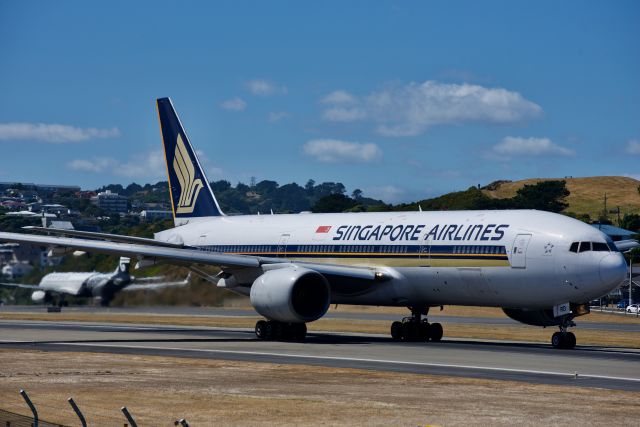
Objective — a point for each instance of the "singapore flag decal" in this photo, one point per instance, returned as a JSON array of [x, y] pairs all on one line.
[[323, 229]]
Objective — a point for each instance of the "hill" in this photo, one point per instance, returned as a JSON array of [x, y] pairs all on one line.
[[586, 194]]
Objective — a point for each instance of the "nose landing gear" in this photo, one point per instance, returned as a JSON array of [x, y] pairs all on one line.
[[564, 339], [415, 328]]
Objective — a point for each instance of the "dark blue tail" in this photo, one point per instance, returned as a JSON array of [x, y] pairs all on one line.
[[191, 194]]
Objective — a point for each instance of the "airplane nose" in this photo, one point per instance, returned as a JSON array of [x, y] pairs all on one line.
[[613, 269]]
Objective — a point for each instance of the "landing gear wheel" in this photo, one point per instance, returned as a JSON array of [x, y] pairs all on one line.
[[261, 329], [396, 331], [556, 340], [298, 331], [271, 329], [424, 330], [570, 340], [435, 332]]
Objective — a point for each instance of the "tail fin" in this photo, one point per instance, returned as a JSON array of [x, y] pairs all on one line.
[[190, 192], [123, 265]]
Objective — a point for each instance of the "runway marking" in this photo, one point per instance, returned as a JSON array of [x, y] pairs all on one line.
[[354, 359]]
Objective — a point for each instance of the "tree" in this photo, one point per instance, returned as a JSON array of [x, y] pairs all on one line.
[[631, 222], [333, 203], [545, 196], [357, 194]]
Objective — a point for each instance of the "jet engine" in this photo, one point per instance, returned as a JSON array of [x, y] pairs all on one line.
[[40, 296], [291, 294], [543, 317]]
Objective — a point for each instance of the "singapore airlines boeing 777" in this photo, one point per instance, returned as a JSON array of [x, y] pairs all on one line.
[[541, 268]]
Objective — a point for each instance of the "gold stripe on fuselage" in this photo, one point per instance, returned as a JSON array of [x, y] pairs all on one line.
[[389, 259]]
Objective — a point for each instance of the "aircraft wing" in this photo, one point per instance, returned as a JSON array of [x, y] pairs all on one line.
[[105, 236], [21, 286], [188, 256]]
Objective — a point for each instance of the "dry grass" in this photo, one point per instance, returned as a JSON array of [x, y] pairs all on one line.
[[159, 390], [587, 194], [514, 332]]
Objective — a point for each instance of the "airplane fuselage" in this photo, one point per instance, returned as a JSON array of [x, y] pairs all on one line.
[[517, 258]]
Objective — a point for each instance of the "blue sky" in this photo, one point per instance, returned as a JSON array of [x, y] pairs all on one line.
[[404, 100]]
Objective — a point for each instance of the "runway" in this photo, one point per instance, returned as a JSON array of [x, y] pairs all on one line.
[[612, 368], [240, 312]]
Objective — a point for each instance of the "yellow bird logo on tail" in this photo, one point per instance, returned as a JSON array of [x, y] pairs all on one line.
[[189, 186]]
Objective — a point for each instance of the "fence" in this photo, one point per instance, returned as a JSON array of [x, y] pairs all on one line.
[[11, 419]]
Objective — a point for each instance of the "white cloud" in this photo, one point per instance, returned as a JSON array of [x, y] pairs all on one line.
[[234, 104], [386, 193], [263, 87], [339, 97], [148, 165], [633, 146], [409, 110], [276, 116], [342, 114], [53, 133], [334, 150], [518, 146]]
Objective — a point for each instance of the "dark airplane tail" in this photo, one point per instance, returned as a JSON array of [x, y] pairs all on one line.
[[190, 192]]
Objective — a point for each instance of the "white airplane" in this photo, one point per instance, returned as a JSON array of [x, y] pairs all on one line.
[[101, 286], [541, 268]]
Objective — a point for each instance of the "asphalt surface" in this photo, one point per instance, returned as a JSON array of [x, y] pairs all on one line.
[[586, 366], [435, 316]]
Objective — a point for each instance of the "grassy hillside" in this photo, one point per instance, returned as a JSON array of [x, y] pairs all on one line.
[[587, 194]]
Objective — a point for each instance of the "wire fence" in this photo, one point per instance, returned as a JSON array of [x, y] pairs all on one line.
[[98, 416], [11, 419]]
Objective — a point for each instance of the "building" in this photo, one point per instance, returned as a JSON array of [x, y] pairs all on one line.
[[154, 215], [111, 202]]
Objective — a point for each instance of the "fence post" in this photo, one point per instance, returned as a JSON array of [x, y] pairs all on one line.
[[77, 411], [25, 396], [128, 416]]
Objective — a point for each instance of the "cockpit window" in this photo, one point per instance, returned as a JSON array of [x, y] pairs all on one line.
[[612, 246], [593, 246], [584, 247], [602, 247]]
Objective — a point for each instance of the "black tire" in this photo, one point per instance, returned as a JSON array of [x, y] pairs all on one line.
[[556, 340], [424, 330], [300, 331], [435, 332], [261, 329], [269, 330], [396, 331], [570, 340]]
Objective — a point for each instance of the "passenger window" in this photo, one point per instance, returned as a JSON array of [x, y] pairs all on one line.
[[574, 247], [584, 247], [600, 247]]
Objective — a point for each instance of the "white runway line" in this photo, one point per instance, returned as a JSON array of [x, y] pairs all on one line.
[[364, 360]]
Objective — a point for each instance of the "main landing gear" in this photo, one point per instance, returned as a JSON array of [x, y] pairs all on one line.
[[415, 328], [274, 330], [564, 339]]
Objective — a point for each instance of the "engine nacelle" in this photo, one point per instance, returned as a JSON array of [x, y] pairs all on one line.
[[291, 295], [38, 296], [543, 317]]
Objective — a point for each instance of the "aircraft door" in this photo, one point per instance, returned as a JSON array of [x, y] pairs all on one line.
[[282, 245], [519, 251], [424, 252]]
